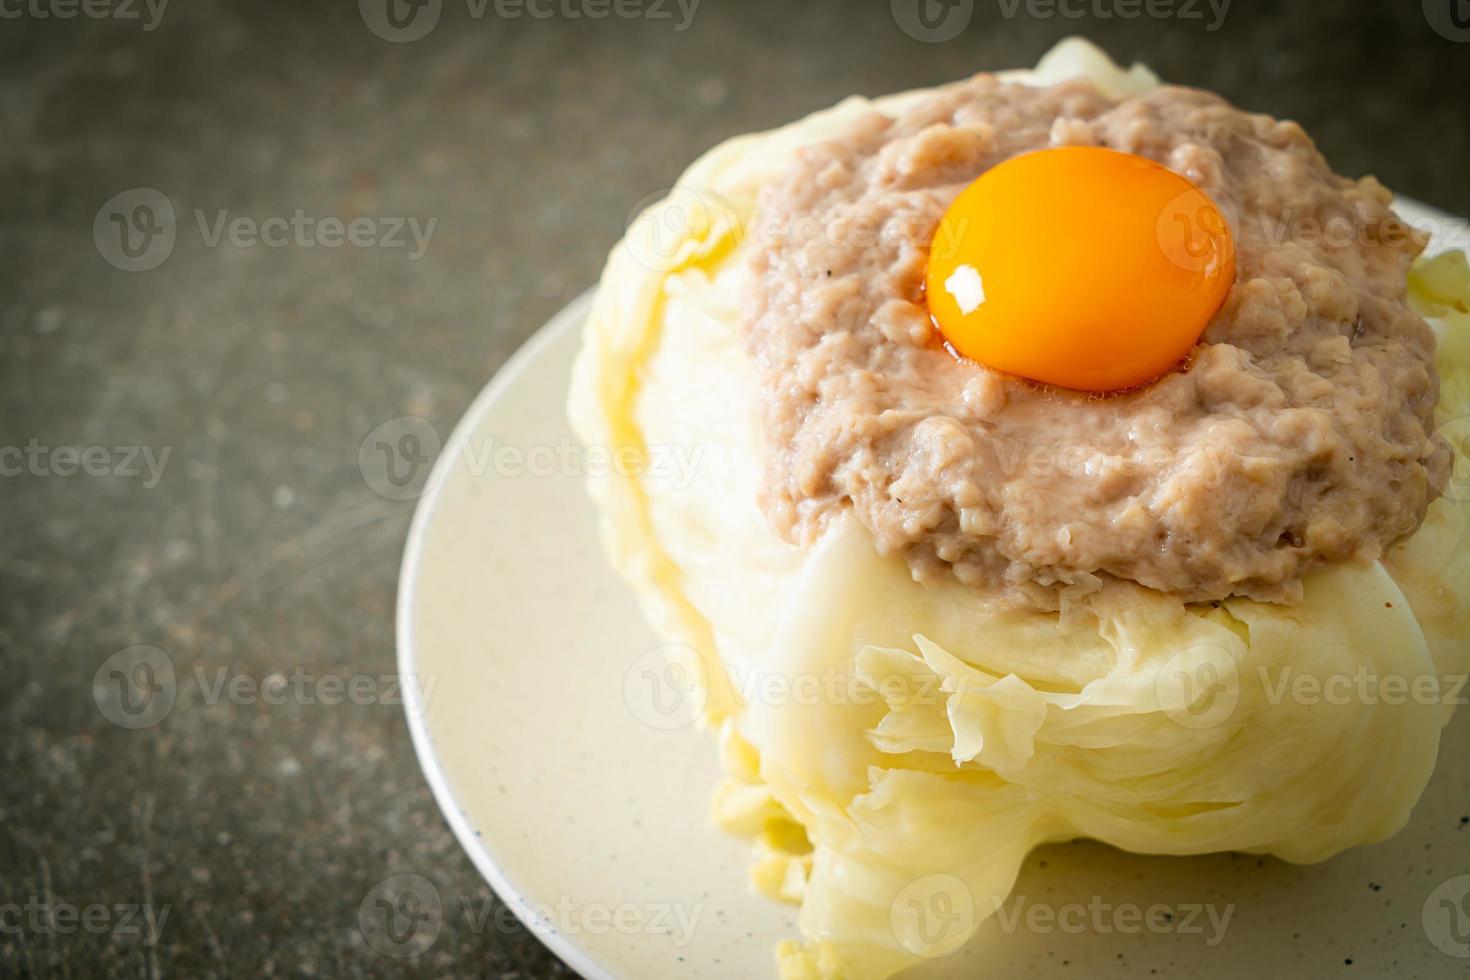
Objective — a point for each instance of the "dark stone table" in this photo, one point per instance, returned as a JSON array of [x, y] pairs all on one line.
[[257, 357]]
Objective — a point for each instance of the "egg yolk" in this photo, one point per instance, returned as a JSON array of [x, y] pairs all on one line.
[[1081, 267]]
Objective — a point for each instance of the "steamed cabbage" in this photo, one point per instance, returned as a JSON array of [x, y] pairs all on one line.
[[887, 743]]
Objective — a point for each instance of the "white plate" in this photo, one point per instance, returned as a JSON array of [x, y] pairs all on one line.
[[593, 826]]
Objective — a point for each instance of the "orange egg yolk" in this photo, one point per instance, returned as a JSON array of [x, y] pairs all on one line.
[[1081, 267]]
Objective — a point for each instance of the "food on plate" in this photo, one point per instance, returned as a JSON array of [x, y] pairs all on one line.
[[1037, 442]]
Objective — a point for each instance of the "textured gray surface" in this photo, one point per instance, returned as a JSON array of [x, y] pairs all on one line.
[[260, 549]]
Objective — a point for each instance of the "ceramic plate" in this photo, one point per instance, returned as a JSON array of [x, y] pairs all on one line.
[[592, 824]]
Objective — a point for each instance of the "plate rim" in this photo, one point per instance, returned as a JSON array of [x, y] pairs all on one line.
[[414, 701], [415, 704]]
